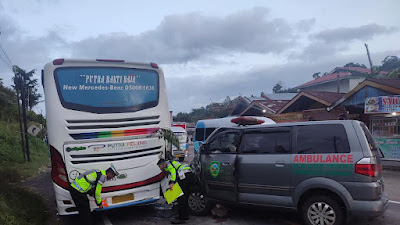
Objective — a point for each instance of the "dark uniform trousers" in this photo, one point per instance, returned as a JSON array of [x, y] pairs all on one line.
[[183, 205], [82, 204]]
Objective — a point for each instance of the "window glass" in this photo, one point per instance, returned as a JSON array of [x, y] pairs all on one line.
[[267, 143], [208, 132], [316, 139], [224, 143], [199, 134], [107, 90]]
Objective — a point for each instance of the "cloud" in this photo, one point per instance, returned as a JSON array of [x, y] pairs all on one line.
[[345, 34], [181, 38], [333, 41], [195, 91], [305, 25]]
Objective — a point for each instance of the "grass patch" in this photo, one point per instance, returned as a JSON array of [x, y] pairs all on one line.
[[19, 206], [11, 157]]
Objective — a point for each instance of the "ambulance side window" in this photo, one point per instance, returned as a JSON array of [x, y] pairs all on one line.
[[323, 138], [224, 143]]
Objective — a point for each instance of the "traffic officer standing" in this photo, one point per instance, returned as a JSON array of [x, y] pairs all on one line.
[[83, 185], [183, 175]]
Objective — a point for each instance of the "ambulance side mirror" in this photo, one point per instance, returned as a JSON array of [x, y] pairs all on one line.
[[204, 148]]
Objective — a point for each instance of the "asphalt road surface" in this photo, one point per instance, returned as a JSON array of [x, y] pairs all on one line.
[[160, 212]]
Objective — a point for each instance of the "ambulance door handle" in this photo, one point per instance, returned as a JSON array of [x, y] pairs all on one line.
[[226, 163], [279, 163]]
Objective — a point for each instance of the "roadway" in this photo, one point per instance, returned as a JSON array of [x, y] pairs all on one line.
[[160, 212]]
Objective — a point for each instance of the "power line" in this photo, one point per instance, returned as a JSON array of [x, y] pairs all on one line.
[[1, 48], [5, 58]]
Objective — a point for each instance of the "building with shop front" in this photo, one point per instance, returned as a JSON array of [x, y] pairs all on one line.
[[340, 79], [376, 102]]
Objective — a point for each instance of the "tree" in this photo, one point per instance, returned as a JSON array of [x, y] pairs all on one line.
[[394, 74], [390, 63], [351, 64], [278, 87], [316, 75], [25, 80]]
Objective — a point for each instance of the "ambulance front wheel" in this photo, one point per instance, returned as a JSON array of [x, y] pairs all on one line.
[[198, 204]]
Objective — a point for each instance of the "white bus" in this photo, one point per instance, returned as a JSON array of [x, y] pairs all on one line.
[[205, 127], [103, 112], [181, 134]]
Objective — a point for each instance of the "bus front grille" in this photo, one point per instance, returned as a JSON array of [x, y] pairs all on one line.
[[114, 120], [108, 157], [112, 123]]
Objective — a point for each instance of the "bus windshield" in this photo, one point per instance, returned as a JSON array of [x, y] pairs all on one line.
[[107, 89]]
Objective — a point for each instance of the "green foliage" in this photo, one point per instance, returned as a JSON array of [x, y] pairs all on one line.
[[351, 64], [24, 81], [390, 63], [316, 75], [169, 136], [11, 156], [394, 74], [19, 206], [7, 97], [278, 88]]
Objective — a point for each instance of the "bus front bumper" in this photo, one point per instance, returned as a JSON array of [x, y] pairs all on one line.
[[141, 196]]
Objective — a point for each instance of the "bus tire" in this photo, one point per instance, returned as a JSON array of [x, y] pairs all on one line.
[[181, 159]]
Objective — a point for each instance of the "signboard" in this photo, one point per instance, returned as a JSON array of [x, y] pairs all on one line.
[[34, 130], [382, 104], [390, 147]]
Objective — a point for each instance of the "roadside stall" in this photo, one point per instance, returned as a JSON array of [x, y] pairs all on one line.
[[385, 123]]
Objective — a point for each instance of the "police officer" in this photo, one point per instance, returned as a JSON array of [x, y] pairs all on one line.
[[183, 175], [83, 185]]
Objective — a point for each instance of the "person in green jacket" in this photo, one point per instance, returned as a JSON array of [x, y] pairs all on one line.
[[87, 183], [182, 174]]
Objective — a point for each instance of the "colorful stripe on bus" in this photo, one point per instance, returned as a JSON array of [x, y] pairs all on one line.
[[116, 133]]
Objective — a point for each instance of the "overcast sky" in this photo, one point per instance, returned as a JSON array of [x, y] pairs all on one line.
[[207, 49]]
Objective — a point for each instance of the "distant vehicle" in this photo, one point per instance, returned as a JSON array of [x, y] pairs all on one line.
[[179, 124], [205, 127], [329, 171], [181, 134], [101, 112]]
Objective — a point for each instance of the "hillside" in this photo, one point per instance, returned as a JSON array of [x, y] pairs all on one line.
[[19, 205]]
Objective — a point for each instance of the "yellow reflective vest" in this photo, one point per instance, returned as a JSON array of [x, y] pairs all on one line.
[[90, 179], [174, 167]]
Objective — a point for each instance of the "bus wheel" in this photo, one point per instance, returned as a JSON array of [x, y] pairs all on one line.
[[181, 159]]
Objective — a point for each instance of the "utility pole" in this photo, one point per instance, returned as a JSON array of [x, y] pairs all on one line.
[[338, 82], [19, 113], [24, 115], [369, 59]]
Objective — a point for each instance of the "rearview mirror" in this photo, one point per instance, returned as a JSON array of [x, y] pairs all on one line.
[[204, 148]]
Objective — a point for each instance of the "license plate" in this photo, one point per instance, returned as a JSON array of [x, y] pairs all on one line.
[[178, 155], [123, 198]]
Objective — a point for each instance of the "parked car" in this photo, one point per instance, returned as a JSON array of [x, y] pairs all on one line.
[[329, 171]]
